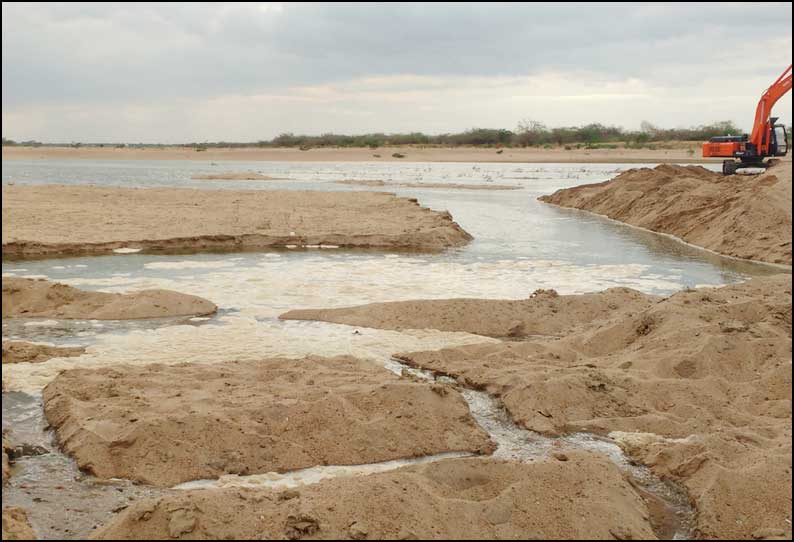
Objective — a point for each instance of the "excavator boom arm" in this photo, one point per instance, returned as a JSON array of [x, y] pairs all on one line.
[[765, 105]]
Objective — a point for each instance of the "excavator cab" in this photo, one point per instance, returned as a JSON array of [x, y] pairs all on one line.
[[778, 143]]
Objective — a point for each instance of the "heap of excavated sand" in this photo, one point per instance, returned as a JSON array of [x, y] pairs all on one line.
[[57, 220], [742, 216], [544, 313], [169, 424], [697, 385], [39, 298], [246, 176], [25, 352], [479, 499]]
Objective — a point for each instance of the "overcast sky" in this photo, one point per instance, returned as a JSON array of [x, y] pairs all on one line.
[[248, 71]]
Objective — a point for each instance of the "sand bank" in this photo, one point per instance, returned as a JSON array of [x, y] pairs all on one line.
[[244, 176], [39, 298], [450, 186], [697, 386], [585, 497], [25, 352], [543, 313], [66, 220], [169, 424], [683, 152], [742, 216]]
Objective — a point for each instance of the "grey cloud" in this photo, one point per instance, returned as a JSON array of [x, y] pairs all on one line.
[[121, 52]]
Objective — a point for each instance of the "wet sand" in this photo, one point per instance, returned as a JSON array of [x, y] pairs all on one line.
[[683, 152], [25, 352], [697, 386], [164, 425], [744, 216], [38, 298], [544, 312], [583, 497], [54, 220]]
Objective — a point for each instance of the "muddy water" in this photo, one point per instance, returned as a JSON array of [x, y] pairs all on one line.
[[520, 245]]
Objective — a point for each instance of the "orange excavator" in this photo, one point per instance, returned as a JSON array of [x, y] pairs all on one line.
[[767, 139]]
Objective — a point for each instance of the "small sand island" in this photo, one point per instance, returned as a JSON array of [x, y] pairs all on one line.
[[57, 220], [39, 298]]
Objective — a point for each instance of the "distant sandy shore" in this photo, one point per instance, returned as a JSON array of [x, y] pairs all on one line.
[[683, 152]]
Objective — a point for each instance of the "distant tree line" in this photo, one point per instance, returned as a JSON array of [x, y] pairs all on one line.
[[528, 133]]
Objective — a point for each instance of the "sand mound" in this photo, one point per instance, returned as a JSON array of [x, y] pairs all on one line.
[[742, 216], [38, 298], [16, 525], [169, 424], [451, 186], [25, 352], [544, 313], [707, 373], [61, 220], [585, 497], [245, 176]]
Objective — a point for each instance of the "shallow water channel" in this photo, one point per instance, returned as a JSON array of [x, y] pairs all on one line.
[[520, 245]]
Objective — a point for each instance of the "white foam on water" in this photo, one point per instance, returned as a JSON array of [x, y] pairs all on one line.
[[41, 323], [267, 286], [190, 264], [289, 480], [235, 338]]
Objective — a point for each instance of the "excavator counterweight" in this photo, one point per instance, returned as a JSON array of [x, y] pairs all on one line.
[[766, 140]]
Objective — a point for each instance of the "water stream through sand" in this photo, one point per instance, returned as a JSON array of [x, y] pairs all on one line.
[[520, 245]]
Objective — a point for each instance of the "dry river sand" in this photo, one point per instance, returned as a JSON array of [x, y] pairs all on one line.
[[39, 298], [478, 498], [697, 386], [54, 220], [169, 424], [742, 216], [16, 526]]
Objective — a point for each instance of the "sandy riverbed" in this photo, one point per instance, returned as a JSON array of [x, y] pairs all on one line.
[[697, 386], [682, 152], [542, 313], [55, 220], [745, 216], [38, 298], [164, 425]]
